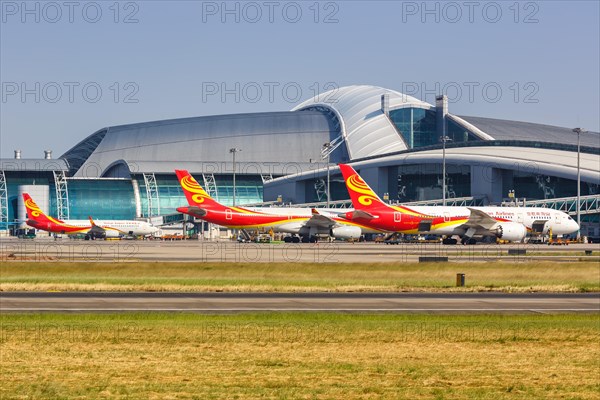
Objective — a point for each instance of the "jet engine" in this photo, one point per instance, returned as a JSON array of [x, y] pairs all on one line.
[[346, 232], [511, 231], [106, 234]]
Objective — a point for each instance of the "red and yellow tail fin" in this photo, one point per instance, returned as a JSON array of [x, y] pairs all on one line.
[[34, 212], [363, 197], [194, 193]]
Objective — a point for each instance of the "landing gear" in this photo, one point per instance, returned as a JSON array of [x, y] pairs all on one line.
[[291, 239], [313, 239], [468, 240], [449, 241]]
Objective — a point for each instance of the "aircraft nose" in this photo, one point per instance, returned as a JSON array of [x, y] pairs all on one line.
[[574, 226]]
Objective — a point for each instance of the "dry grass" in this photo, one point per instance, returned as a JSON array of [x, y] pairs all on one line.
[[282, 277], [310, 356]]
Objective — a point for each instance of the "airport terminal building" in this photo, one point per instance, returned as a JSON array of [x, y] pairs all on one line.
[[393, 140]]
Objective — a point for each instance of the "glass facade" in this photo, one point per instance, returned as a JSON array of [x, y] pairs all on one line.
[[424, 182], [170, 194], [316, 190], [13, 181], [459, 134], [416, 125], [540, 187], [115, 199], [248, 189], [100, 198]]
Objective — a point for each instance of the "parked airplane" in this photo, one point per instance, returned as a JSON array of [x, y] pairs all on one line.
[[306, 223], [89, 228], [508, 223]]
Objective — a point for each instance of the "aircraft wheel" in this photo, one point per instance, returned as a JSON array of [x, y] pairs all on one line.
[[295, 239], [305, 239], [313, 239], [287, 239]]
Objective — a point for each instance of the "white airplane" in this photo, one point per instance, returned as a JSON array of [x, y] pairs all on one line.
[[305, 223], [508, 223], [90, 228]]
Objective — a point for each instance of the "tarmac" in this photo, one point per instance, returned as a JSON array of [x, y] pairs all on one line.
[[69, 250], [408, 303]]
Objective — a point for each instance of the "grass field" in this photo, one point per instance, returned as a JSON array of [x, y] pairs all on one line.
[[289, 277], [306, 356]]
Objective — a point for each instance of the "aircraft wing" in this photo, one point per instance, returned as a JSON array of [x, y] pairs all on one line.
[[320, 220], [95, 230], [480, 219]]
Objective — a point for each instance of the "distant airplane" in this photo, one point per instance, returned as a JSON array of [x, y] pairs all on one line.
[[307, 224], [508, 223], [89, 228]]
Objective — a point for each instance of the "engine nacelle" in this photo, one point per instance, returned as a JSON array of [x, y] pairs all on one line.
[[106, 234], [346, 232], [511, 231]]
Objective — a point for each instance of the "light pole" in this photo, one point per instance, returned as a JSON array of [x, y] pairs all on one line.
[[578, 131], [234, 150], [444, 139], [325, 152]]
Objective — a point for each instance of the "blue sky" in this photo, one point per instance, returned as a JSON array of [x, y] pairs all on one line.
[[68, 71]]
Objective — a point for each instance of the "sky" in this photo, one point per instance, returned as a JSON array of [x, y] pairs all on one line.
[[69, 68]]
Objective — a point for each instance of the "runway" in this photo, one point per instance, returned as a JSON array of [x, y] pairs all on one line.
[[415, 303], [66, 250]]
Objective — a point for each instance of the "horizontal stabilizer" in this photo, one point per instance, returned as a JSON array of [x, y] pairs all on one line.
[[358, 214], [193, 210]]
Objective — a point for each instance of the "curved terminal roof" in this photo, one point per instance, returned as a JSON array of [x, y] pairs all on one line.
[[277, 137], [366, 129], [515, 130], [280, 139]]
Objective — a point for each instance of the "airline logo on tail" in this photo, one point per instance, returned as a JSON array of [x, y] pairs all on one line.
[[197, 196], [192, 189], [365, 199], [361, 194], [194, 193], [33, 210], [35, 213]]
